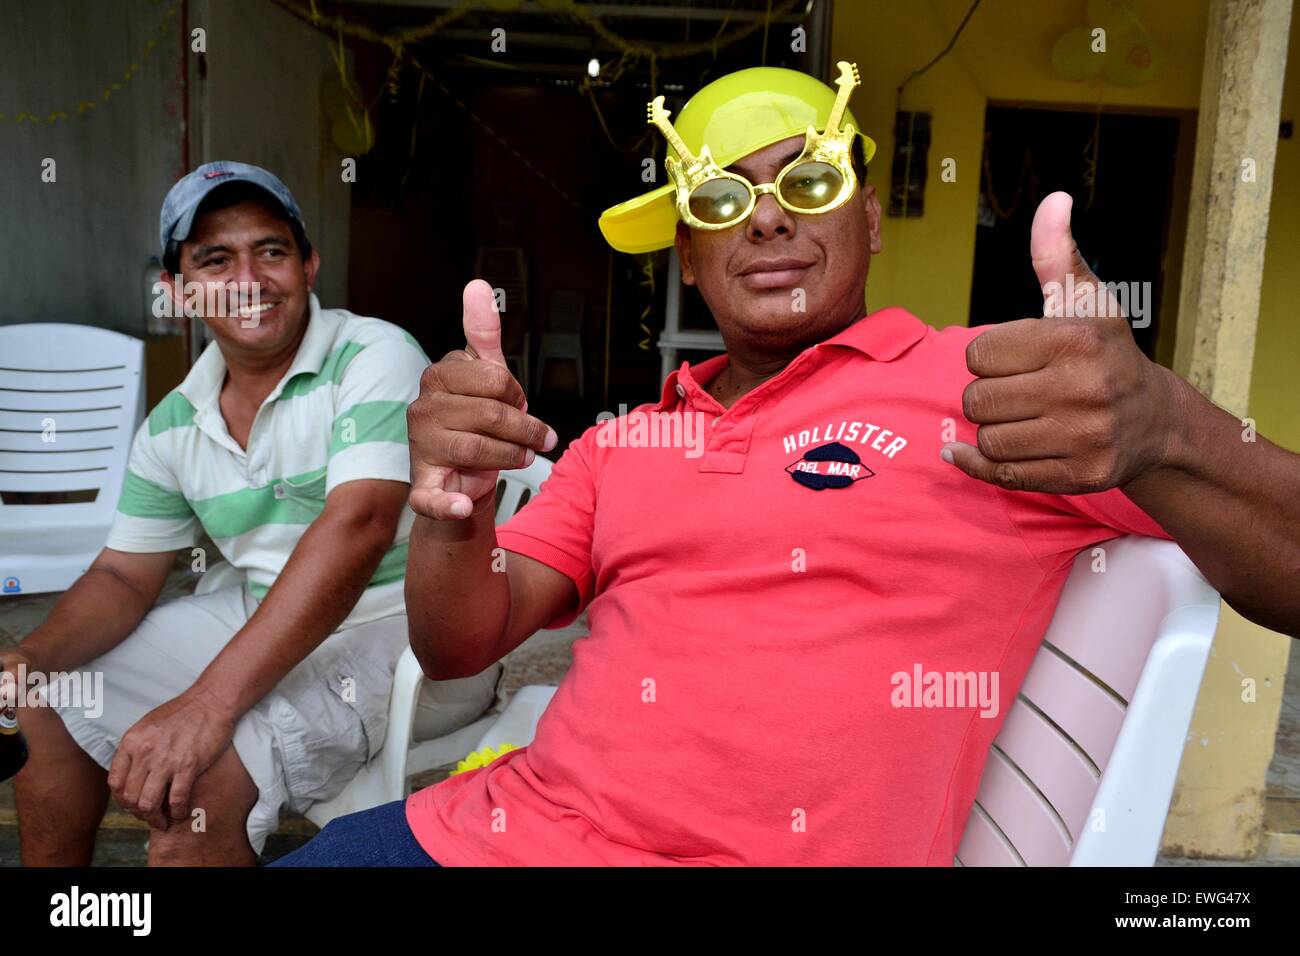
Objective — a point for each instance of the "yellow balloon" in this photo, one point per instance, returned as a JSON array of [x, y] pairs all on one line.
[[353, 140], [1116, 17], [1073, 57], [332, 96], [1133, 62]]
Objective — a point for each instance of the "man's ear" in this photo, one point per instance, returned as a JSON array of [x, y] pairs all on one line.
[[682, 240], [311, 267], [871, 206]]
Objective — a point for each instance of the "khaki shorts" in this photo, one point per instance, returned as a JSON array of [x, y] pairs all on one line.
[[309, 736]]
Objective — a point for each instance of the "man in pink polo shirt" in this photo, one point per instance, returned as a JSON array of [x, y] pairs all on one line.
[[771, 552]]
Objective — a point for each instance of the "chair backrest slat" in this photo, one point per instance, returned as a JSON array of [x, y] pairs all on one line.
[[1052, 761], [1020, 811], [1084, 711], [71, 399], [984, 844], [513, 485], [1045, 768]]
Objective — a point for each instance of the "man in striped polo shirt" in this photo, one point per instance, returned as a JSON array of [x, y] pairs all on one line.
[[286, 445]]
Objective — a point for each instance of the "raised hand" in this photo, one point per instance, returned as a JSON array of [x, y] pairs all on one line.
[[1066, 403], [470, 420]]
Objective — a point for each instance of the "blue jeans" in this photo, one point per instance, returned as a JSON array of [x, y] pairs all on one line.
[[379, 836]]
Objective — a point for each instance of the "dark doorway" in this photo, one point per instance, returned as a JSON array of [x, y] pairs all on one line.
[[498, 165], [1119, 168]]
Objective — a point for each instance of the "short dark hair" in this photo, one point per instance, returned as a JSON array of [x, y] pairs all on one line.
[[232, 194], [859, 160]]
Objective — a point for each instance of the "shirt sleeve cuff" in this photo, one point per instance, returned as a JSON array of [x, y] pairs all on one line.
[[389, 461], [575, 569], [150, 535]]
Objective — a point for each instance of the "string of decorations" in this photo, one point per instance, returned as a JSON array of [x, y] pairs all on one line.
[[632, 53], [85, 106]]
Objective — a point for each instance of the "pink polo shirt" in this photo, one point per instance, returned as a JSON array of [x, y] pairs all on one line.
[[753, 599]]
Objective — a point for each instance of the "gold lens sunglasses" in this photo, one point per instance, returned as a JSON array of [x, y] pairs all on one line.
[[820, 180]]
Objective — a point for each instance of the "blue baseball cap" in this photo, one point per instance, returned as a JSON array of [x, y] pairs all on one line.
[[183, 199]]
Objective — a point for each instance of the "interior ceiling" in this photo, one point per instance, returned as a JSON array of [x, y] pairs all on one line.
[[737, 10], [550, 47], [532, 27]]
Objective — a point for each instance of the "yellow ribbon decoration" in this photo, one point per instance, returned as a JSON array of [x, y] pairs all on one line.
[[164, 26], [480, 758]]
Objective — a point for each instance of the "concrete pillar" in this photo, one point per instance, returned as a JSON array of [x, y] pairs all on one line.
[[1218, 802]]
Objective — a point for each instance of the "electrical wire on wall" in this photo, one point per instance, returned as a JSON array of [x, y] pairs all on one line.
[[1092, 151], [898, 102]]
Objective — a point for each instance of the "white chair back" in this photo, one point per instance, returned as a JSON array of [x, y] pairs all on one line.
[[71, 399], [1083, 769]]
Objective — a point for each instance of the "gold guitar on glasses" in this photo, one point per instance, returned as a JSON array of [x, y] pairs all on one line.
[[819, 180]]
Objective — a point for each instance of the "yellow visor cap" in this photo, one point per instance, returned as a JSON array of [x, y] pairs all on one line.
[[734, 116]]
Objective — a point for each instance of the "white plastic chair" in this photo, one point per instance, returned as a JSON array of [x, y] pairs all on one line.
[[1082, 771], [563, 336], [71, 399], [385, 777]]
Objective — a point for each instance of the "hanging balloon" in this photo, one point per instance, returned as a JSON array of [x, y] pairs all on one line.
[[353, 137], [350, 126], [1116, 17], [1073, 57], [1133, 62], [332, 96]]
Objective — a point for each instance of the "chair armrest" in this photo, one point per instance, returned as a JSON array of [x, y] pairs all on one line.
[[408, 678]]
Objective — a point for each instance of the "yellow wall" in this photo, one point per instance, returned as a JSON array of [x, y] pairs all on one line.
[[1003, 55], [165, 367], [1275, 383]]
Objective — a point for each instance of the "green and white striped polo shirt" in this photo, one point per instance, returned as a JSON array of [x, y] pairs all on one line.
[[338, 414]]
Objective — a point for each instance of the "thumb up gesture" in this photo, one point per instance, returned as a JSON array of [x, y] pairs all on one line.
[[470, 420], [1066, 403]]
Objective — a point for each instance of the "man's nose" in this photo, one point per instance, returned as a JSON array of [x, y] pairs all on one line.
[[770, 219], [248, 270]]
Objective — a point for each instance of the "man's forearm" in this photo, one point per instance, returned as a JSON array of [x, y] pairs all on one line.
[[97, 613], [1234, 507], [457, 593], [319, 586]]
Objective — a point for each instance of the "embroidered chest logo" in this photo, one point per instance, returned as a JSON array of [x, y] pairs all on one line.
[[834, 463], [829, 466]]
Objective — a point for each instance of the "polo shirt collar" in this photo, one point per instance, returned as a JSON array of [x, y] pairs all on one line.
[[202, 386], [882, 336]]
